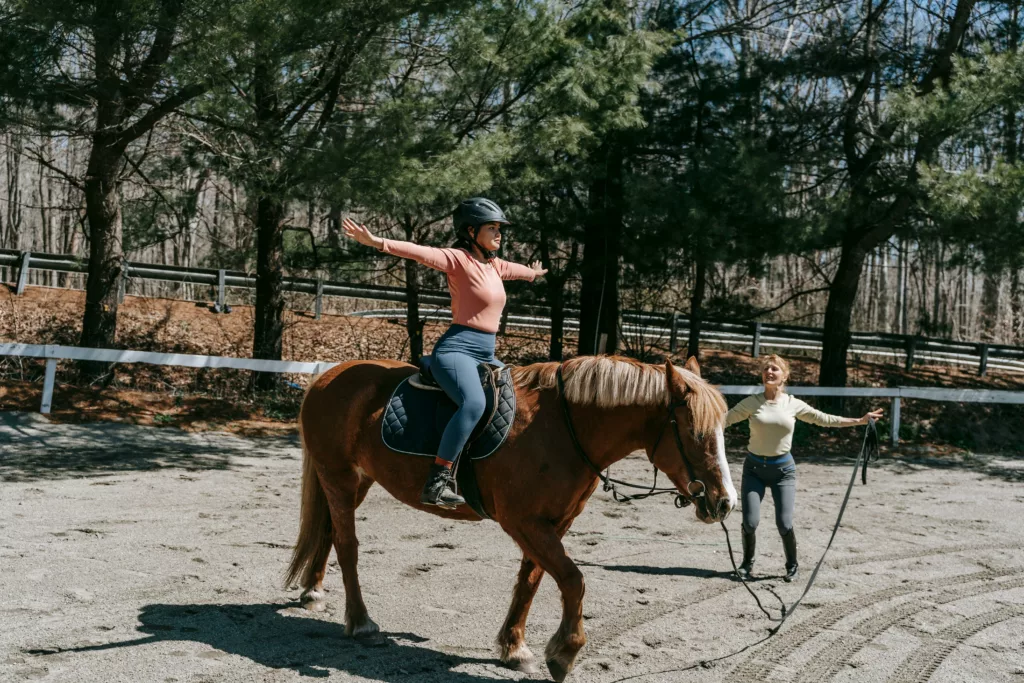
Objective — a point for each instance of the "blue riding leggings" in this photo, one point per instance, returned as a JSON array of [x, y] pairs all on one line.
[[777, 473], [456, 356]]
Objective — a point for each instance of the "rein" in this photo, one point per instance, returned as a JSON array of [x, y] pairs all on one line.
[[610, 484]]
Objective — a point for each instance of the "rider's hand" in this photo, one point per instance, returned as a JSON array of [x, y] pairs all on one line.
[[538, 268], [873, 415], [361, 234]]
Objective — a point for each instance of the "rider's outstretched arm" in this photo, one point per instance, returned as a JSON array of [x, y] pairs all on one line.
[[432, 257]]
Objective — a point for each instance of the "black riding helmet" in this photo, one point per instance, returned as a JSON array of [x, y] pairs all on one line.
[[472, 213]]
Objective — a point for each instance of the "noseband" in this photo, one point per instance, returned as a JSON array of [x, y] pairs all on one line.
[[693, 493]]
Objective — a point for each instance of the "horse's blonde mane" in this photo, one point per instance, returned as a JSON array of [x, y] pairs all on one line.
[[610, 381]]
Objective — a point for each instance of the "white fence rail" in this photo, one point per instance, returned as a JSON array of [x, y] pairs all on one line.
[[53, 353]]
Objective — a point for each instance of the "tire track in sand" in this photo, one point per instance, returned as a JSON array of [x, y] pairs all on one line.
[[604, 634], [920, 666], [760, 663], [827, 663]]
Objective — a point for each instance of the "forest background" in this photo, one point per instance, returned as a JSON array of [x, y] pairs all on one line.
[[848, 165]]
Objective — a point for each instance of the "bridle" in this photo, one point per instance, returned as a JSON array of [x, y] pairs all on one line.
[[696, 490]]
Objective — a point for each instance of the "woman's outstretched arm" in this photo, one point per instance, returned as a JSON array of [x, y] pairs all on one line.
[[805, 413], [432, 257]]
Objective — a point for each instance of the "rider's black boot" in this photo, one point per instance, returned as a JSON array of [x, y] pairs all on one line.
[[789, 545], [746, 570], [438, 489]]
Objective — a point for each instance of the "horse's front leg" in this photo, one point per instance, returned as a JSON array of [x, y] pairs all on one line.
[[512, 638], [542, 543]]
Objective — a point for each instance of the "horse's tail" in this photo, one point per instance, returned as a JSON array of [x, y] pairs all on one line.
[[315, 530]]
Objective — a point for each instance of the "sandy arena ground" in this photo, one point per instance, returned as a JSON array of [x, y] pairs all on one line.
[[139, 554]]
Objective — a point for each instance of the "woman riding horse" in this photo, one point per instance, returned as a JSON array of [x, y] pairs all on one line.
[[773, 414], [475, 277], [533, 488]]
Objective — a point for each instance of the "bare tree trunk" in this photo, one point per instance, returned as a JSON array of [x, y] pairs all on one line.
[[1016, 307], [334, 227], [189, 223], [883, 321], [14, 212], [103, 208], [268, 339], [599, 290], [842, 294], [413, 324], [989, 306], [217, 236], [697, 307], [554, 282]]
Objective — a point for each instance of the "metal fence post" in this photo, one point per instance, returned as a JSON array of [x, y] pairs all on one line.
[[911, 347], [48, 382], [23, 273], [219, 307], [756, 350], [319, 305], [673, 338], [983, 363], [894, 433]]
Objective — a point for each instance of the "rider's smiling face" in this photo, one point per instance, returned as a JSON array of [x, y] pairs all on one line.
[[489, 236]]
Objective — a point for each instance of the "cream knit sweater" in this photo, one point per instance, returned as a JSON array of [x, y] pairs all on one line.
[[772, 422]]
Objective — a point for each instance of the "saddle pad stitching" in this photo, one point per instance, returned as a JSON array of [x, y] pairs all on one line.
[[509, 403]]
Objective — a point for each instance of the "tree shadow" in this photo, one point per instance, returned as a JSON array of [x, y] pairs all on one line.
[[1008, 468], [33, 449], [310, 647]]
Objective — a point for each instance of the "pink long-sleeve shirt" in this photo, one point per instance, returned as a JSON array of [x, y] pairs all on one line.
[[478, 295]]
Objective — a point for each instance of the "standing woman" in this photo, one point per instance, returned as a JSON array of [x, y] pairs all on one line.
[[773, 415], [475, 277]]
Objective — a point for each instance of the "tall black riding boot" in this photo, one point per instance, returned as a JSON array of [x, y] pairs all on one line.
[[438, 489], [746, 570], [789, 545]]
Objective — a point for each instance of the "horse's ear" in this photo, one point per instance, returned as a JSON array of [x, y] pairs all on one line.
[[676, 385], [692, 365]]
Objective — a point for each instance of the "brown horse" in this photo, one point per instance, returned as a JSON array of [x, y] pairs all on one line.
[[534, 487]]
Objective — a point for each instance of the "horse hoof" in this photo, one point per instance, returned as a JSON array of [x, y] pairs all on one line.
[[376, 639], [558, 672], [313, 601]]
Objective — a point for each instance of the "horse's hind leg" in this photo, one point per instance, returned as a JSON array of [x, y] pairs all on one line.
[[512, 638], [313, 596], [345, 497], [542, 543]]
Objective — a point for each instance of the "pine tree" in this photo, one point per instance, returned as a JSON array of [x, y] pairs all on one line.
[[110, 72]]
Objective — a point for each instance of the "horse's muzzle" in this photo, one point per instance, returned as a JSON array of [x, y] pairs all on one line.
[[724, 508]]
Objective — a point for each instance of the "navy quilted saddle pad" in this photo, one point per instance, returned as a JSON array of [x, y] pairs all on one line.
[[415, 418]]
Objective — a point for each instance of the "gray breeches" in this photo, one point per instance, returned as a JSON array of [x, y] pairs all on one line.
[[781, 478]]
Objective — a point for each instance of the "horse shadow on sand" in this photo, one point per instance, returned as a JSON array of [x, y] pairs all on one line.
[[691, 572], [266, 635]]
